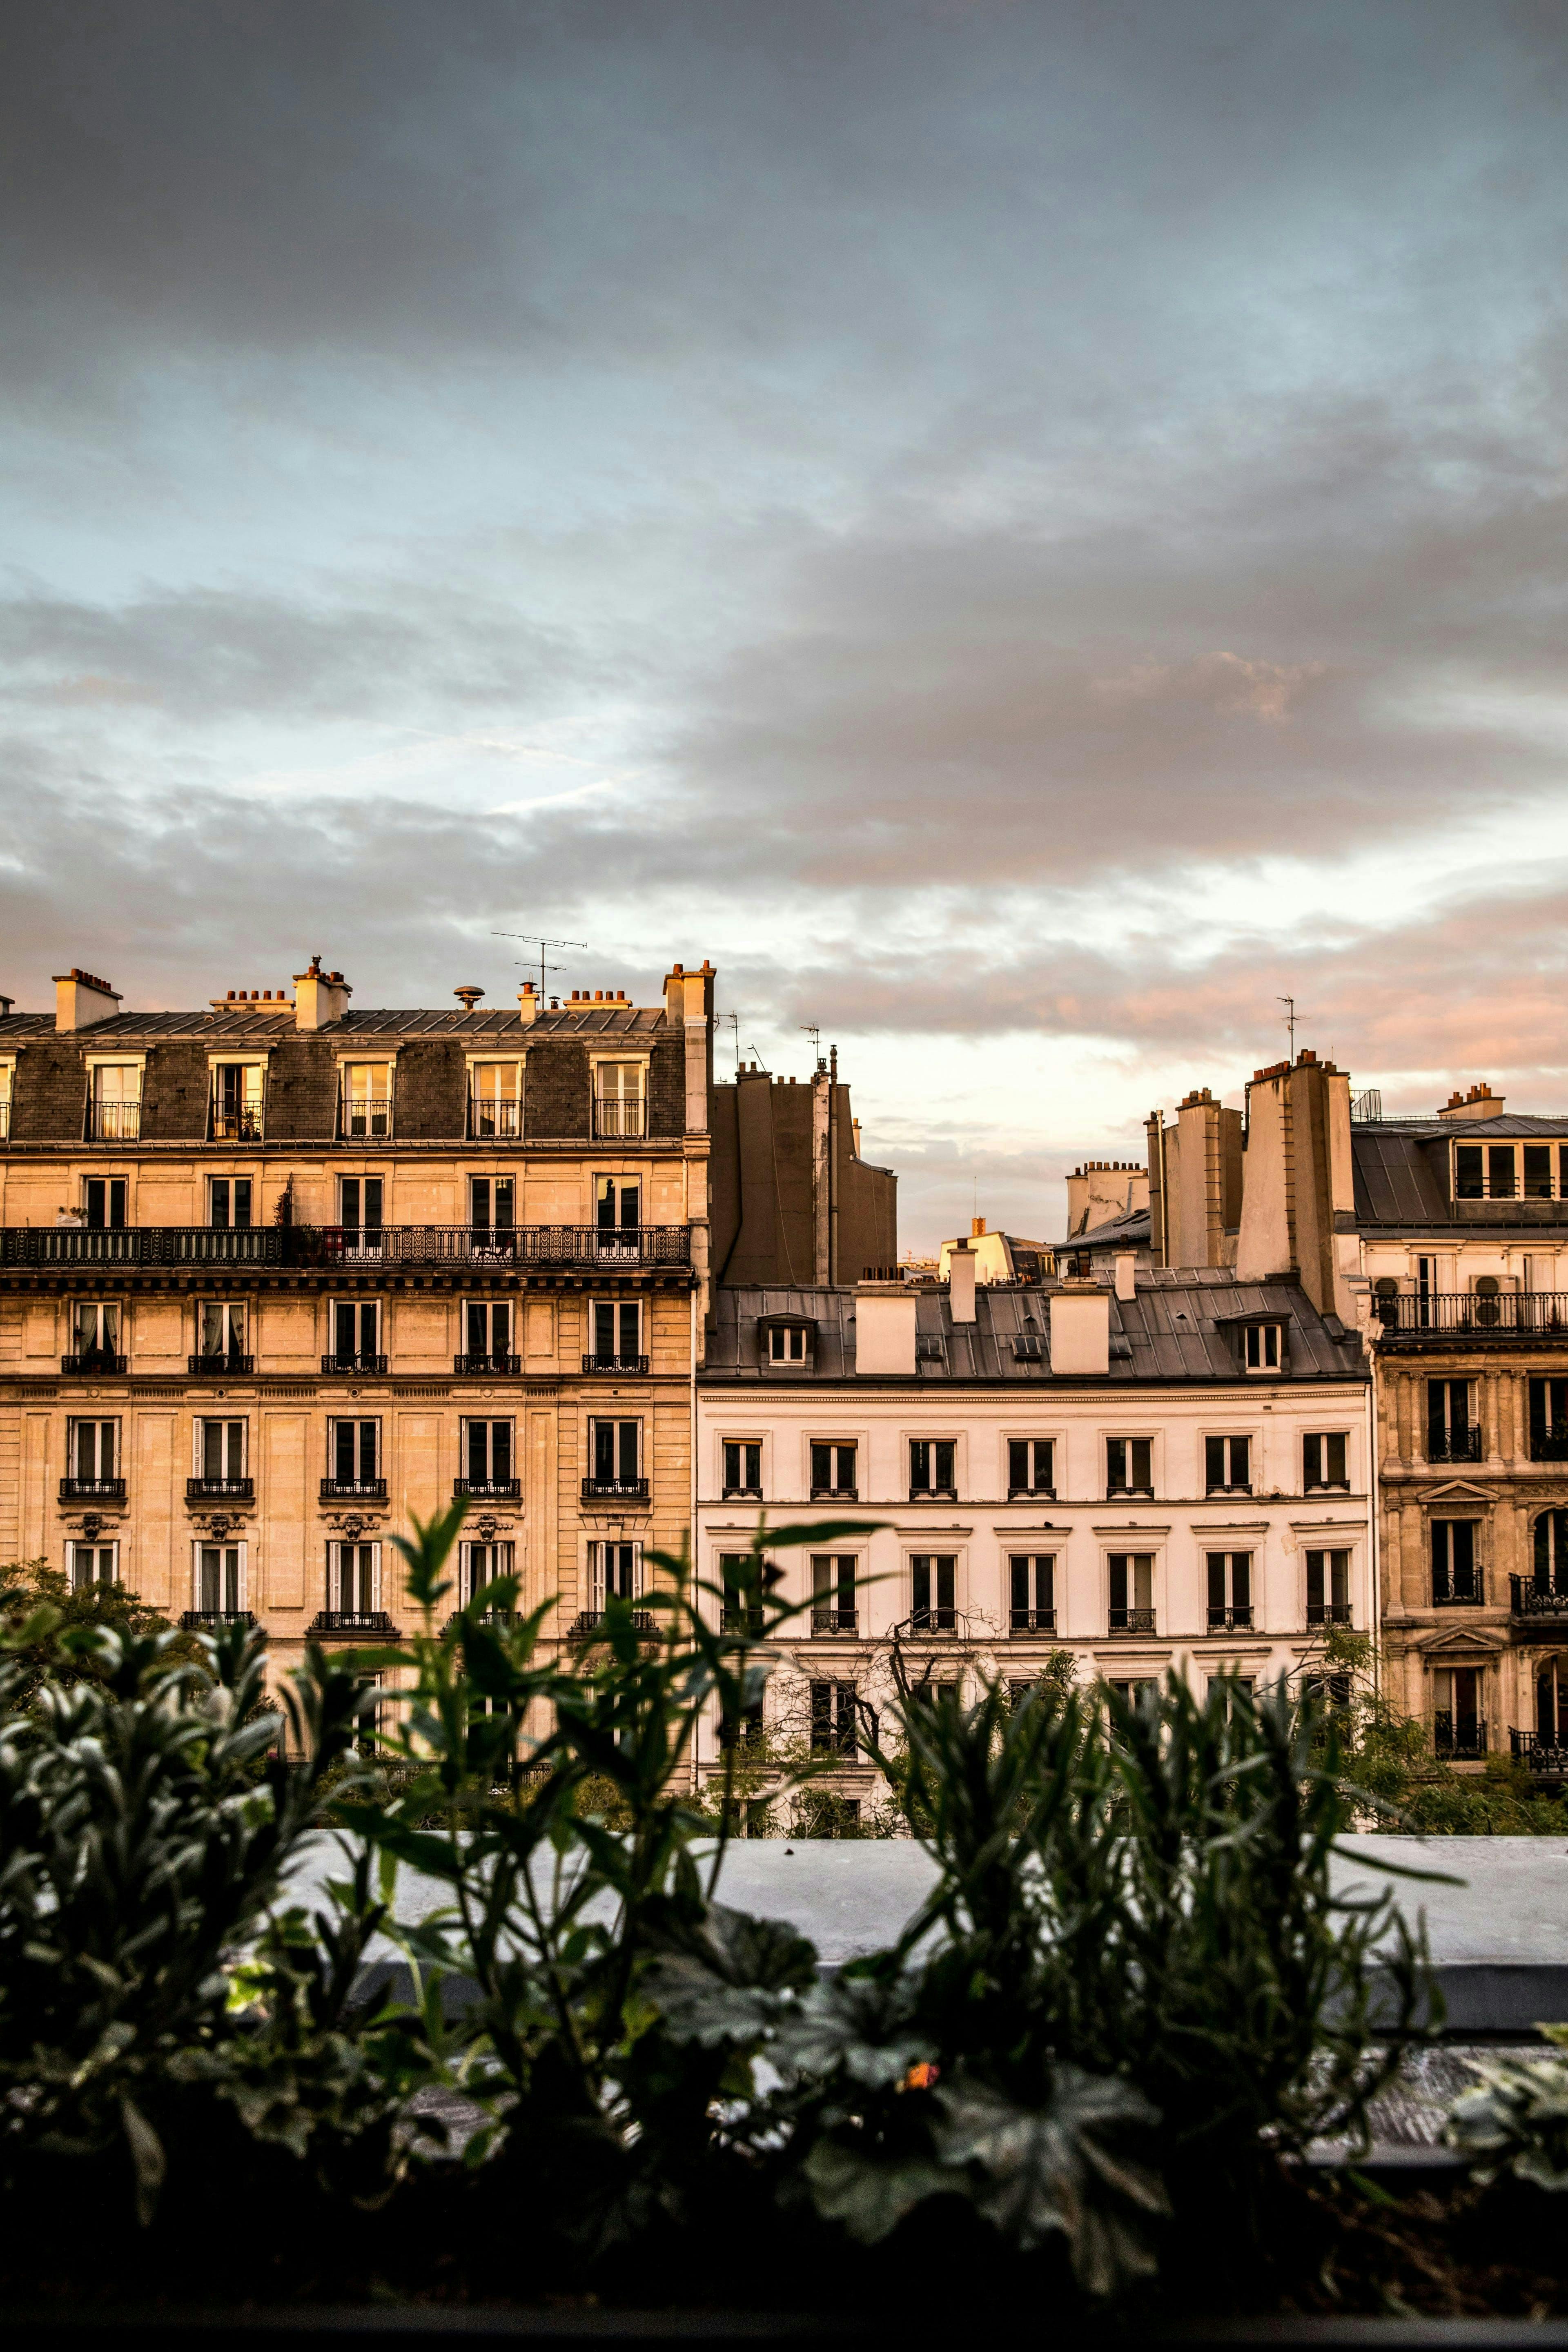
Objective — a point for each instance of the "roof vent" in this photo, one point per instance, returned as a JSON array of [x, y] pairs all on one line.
[[470, 995]]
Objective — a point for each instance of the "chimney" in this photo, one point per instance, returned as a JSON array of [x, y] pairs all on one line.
[[884, 1330], [1080, 1328], [1480, 1103], [976, 1227], [1298, 1214], [961, 1280], [319, 996], [1126, 1266], [81, 1000], [528, 1004]]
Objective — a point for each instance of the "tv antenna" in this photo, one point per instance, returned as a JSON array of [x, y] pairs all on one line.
[[812, 1029], [734, 1020], [532, 939], [1288, 1017]]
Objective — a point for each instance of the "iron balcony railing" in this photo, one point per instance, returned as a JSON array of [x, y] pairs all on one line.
[[236, 1125], [1033, 1620], [487, 1490], [933, 1621], [364, 1119], [1455, 1445], [617, 1115], [93, 1490], [1231, 1621], [588, 1621], [1511, 1314], [1466, 1592], [341, 1246], [742, 1495], [220, 1490], [353, 1490], [1548, 1444], [1540, 1755], [629, 1367], [494, 1119], [622, 1490], [1121, 1493], [1132, 1621], [835, 1494], [334, 1622], [834, 1620], [503, 1367], [114, 1122], [346, 1367], [208, 1620], [94, 1362], [1462, 1737], [239, 1367], [933, 1494], [1223, 1489], [1528, 1599], [742, 1620], [1328, 1612], [1031, 1494]]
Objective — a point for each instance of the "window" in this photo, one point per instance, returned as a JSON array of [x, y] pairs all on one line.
[[6, 1068], [1131, 1691], [104, 1197], [1131, 1592], [489, 1460], [91, 1564], [1550, 1553], [1538, 1172], [616, 1328], [495, 1101], [614, 1569], [354, 1580], [1129, 1466], [1323, 1460], [833, 1717], [741, 1613], [614, 1448], [833, 1473], [932, 1577], [787, 1343], [366, 1101], [617, 1207], [1329, 1694], [353, 1458], [492, 1211], [228, 1202], [1490, 1171], [92, 1461], [1450, 1437], [1263, 1348], [1551, 1704], [1233, 1687], [1458, 1724], [487, 1337], [1549, 1420], [219, 1455], [742, 1466], [1230, 1591], [220, 1337], [833, 1592], [1032, 1580], [931, 1468], [618, 1099], [356, 1337], [116, 1102], [1028, 1343], [1328, 1588], [359, 1212], [1228, 1465], [95, 1335], [1456, 1568], [1031, 1466], [479, 1564], [219, 1580], [237, 1102]]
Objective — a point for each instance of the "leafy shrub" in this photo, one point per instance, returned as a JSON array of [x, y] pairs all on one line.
[[1516, 2117]]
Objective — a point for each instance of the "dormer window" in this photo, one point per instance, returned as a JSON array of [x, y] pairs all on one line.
[[1263, 1346], [237, 1102], [116, 1102], [787, 1342], [365, 1111]]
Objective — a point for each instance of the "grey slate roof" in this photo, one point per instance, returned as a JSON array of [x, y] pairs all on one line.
[[1130, 1231], [262, 1022], [1174, 1329], [1402, 1178]]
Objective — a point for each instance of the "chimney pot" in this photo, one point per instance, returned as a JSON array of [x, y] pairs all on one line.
[[976, 1227]]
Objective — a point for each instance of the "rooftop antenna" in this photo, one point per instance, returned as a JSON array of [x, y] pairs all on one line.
[[532, 939], [1289, 1020], [812, 1030], [734, 1020]]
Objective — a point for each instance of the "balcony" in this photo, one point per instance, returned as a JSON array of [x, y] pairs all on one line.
[[933, 1621], [742, 1495], [827, 1623], [333, 1248], [1548, 1444], [487, 1490], [1544, 1756], [835, 1494], [95, 1363], [1470, 1595], [364, 1119], [499, 1367], [1129, 1494], [1131, 1621], [493, 1120], [216, 1367], [211, 1620], [1219, 1493], [631, 1368], [1517, 1317], [346, 1368], [114, 1122], [614, 1490], [1032, 1620], [618, 1116], [353, 1490], [236, 1125], [335, 1623], [1455, 1445], [1459, 1739], [220, 1490], [1230, 1620], [589, 1620], [93, 1490], [933, 1494], [1528, 1599], [1031, 1494], [1329, 1612], [742, 1620]]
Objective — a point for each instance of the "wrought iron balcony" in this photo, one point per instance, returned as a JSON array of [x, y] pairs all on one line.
[[1031, 1494], [1545, 1756], [214, 1367], [208, 1621], [92, 1363], [493, 1120], [347, 1367], [933, 1621], [835, 1494], [353, 1490], [93, 1490], [618, 1115], [742, 1620], [236, 1125], [334, 1248], [629, 1367], [1126, 1494], [1131, 1621], [614, 1490], [1212, 1491], [1455, 1445], [499, 1367], [364, 1119], [1231, 1621], [742, 1495], [1528, 1599], [487, 1490], [589, 1620], [1472, 1596], [1032, 1620], [114, 1122], [1329, 1612], [933, 1494], [333, 1623], [1444, 1317], [220, 1490], [1548, 1444], [1461, 1739], [826, 1622]]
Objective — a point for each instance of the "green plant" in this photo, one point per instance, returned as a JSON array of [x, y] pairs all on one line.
[[1516, 2117], [42, 1599]]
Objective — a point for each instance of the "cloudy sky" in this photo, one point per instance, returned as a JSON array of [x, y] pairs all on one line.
[[1025, 529]]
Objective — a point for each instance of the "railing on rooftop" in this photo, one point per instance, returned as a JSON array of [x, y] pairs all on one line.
[[342, 1247], [1511, 1314]]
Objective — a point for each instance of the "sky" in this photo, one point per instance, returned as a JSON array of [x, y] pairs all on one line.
[[1025, 533]]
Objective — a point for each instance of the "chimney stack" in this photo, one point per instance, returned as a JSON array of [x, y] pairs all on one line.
[[320, 997], [1080, 1328], [884, 1330], [528, 1004], [961, 1279], [81, 1000], [1480, 1103]]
